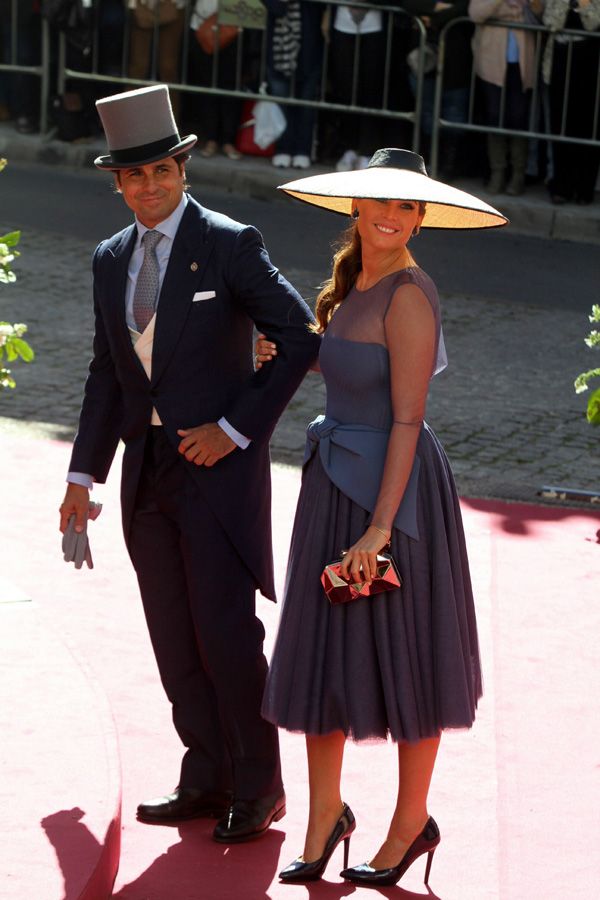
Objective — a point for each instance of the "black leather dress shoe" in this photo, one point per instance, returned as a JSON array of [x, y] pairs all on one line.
[[184, 803], [248, 819]]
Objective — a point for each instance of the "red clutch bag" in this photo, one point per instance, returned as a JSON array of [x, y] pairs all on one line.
[[339, 590]]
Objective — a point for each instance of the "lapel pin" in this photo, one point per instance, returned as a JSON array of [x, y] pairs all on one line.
[[194, 267]]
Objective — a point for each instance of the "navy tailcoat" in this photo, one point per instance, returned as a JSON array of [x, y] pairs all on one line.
[[202, 369]]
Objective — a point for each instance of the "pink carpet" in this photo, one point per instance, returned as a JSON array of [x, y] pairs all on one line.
[[516, 798]]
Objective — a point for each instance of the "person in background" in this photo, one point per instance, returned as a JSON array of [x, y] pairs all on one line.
[[294, 58], [435, 14], [570, 69], [161, 21], [218, 116], [111, 17], [357, 28], [505, 62]]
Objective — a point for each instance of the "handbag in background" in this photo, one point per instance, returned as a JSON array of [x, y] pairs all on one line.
[[244, 140], [211, 35], [269, 123]]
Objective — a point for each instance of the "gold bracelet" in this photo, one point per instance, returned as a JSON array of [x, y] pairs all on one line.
[[384, 533]]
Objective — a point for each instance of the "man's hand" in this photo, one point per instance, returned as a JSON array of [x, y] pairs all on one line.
[[77, 501], [205, 445]]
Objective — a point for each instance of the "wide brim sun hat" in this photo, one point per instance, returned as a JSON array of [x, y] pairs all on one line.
[[140, 128], [396, 174]]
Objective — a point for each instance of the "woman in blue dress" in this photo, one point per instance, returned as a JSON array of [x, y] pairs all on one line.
[[403, 664]]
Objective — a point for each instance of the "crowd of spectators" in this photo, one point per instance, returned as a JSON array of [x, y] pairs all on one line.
[[366, 57]]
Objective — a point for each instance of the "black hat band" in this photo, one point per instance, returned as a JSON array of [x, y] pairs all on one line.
[[132, 155], [395, 158]]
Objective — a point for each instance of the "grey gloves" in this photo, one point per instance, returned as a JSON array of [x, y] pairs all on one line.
[[76, 546]]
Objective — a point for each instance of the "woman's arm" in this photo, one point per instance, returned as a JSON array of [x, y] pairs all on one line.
[[410, 335]]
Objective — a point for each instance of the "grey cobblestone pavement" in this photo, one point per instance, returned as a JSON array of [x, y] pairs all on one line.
[[505, 408], [529, 214]]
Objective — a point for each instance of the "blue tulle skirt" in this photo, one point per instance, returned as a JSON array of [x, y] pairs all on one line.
[[403, 664]]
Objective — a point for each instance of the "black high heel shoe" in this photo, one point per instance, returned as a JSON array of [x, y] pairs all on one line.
[[426, 842], [298, 870]]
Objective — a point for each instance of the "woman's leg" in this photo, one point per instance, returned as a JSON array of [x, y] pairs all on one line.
[[583, 103], [341, 64], [561, 185], [496, 143], [139, 51], [325, 754], [370, 92], [169, 57], [415, 768], [518, 103]]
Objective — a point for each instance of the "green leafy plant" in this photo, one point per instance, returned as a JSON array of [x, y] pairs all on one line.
[[581, 382], [12, 345]]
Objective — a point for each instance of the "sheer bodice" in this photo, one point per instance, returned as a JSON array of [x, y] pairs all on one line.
[[354, 357], [363, 440]]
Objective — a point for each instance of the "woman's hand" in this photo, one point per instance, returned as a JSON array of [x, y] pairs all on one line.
[[360, 562], [264, 351]]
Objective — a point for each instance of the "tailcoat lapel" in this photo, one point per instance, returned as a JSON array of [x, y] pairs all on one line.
[[121, 254], [187, 264]]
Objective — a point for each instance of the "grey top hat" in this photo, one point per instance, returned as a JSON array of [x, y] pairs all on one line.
[[140, 128], [397, 174]]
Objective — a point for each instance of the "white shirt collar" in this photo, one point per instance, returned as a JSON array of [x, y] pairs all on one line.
[[167, 227]]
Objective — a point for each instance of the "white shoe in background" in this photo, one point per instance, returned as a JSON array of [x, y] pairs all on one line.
[[300, 161], [347, 162], [282, 160]]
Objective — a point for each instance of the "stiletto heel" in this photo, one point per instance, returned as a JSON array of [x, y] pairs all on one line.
[[346, 850], [428, 866], [298, 870], [425, 842]]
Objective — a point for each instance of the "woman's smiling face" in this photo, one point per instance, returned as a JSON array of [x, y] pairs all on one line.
[[387, 224]]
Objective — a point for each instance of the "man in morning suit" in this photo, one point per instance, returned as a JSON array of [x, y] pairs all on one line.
[[175, 298]]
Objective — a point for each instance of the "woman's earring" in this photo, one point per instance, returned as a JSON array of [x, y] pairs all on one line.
[[355, 214], [415, 231]]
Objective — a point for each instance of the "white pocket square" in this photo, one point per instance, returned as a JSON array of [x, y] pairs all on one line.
[[203, 295]]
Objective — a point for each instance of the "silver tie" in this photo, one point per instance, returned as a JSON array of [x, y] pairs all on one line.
[[146, 288]]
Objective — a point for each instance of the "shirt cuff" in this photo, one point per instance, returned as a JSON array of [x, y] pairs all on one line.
[[81, 478], [241, 440]]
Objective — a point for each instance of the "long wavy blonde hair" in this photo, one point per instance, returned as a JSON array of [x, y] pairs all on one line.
[[347, 264]]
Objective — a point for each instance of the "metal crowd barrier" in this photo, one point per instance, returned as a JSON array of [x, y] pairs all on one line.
[[91, 49], [252, 37], [538, 112]]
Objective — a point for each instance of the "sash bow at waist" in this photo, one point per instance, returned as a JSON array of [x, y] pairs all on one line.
[[353, 457]]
